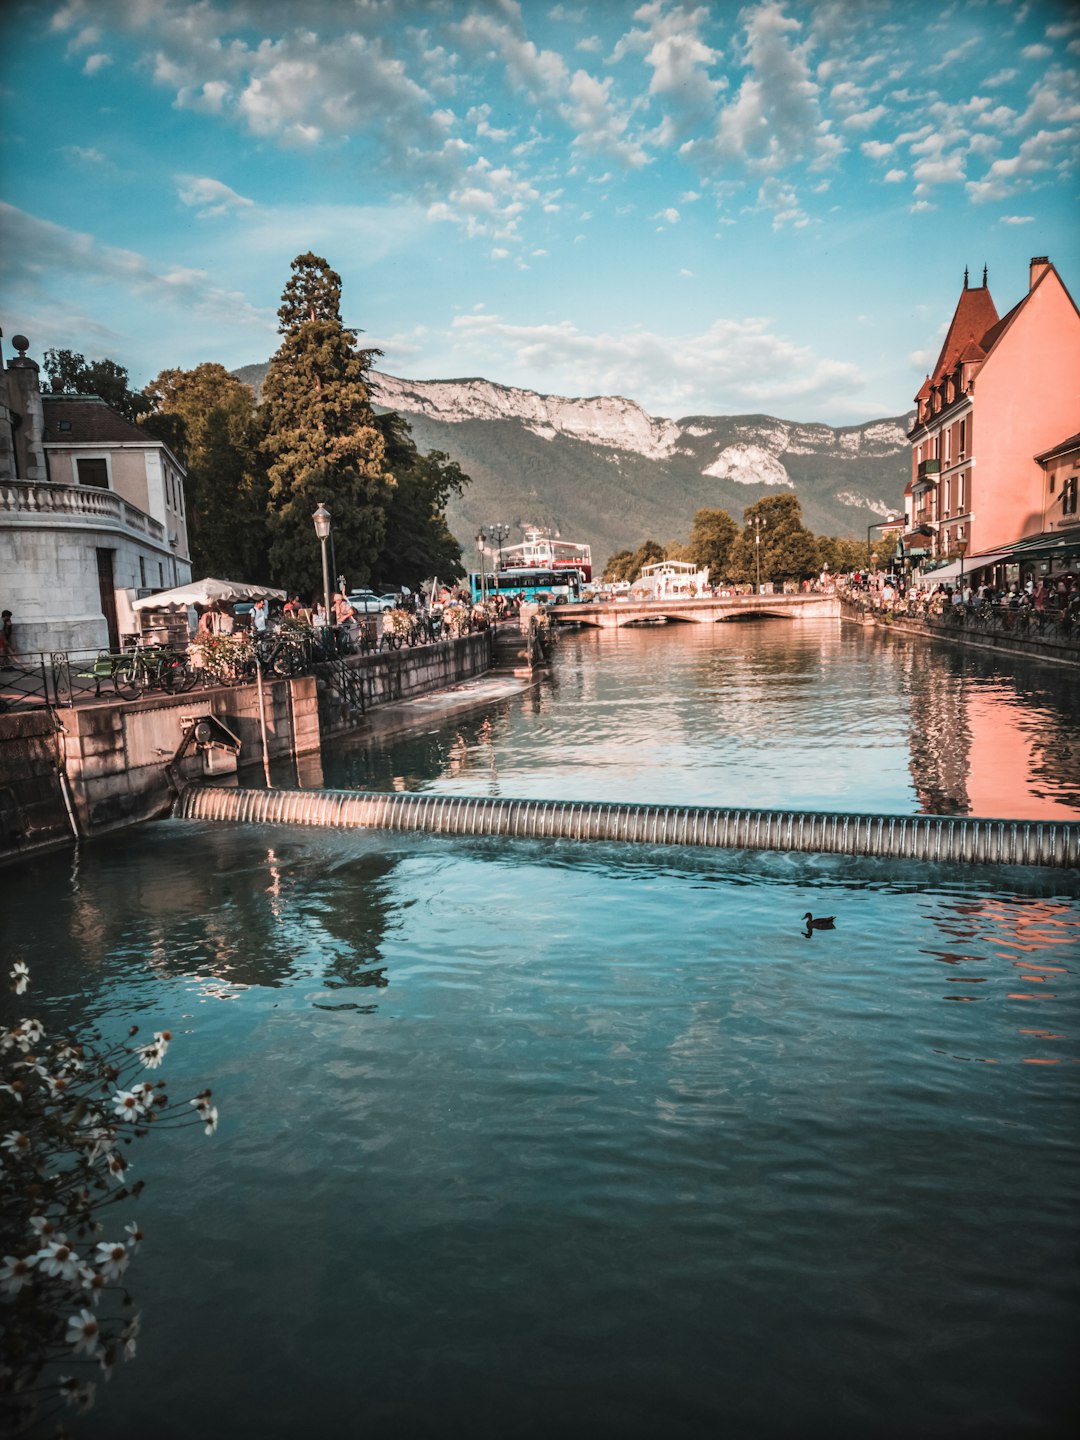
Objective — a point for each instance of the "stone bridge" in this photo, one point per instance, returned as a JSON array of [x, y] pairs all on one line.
[[613, 614]]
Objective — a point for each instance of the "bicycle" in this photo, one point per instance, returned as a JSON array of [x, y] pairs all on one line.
[[150, 667]]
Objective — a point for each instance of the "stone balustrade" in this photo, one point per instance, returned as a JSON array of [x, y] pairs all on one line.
[[74, 505]]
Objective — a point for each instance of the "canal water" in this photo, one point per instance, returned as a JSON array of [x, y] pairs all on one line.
[[522, 1139]]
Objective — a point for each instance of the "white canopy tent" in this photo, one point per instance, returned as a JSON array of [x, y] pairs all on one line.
[[206, 592]]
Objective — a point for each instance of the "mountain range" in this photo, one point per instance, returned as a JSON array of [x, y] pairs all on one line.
[[604, 471]]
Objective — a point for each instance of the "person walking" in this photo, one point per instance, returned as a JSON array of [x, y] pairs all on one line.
[[8, 657]]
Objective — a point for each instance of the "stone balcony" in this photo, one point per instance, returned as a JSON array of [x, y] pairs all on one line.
[[51, 506]]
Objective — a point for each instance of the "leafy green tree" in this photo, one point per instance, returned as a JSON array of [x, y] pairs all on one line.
[[841, 554], [321, 442], [627, 565], [418, 545], [71, 374], [711, 538], [208, 418], [788, 551], [617, 566]]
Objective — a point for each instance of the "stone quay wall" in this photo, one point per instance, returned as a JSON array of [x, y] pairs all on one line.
[[74, 773]]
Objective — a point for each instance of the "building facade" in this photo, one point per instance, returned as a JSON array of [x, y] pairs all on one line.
[[1004, 391], [91, 515]]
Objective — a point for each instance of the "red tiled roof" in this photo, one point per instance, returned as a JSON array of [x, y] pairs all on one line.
[[90, 421], [975, 315]]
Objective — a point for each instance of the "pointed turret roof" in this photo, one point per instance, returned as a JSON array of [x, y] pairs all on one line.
[[975, 314]]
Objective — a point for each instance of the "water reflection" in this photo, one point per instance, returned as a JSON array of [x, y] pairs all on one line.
[[237, 913], [773, 715]]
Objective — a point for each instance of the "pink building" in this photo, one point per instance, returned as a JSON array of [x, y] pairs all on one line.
[[1003, 392]]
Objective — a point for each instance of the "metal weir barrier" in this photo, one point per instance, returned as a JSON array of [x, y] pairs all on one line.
[[935, 838]]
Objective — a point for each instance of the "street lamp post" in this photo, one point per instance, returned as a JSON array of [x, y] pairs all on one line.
[[481, 539], [759, 525], [961, 545], [321, 519], [498, 534]]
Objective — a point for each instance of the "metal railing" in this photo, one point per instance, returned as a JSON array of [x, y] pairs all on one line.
[[1056, 627], [62, 679]]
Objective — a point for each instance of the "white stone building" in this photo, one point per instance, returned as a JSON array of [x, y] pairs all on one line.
[[91, 515]]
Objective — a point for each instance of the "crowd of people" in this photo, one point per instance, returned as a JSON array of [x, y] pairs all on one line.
[[1056, 598]]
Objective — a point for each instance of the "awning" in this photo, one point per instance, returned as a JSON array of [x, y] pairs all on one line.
[[205, 592], [968, 566]]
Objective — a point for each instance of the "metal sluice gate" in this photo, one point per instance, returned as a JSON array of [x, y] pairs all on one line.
[[944, 839]]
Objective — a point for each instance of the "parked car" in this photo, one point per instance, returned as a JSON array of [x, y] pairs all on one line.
[[366, 602]]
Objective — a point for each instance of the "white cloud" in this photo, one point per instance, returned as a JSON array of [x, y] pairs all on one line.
[[775, 119], [894, 176], [96, 63], [1017, 220], [734, 365], [672, 46], [88, 155], [780, 197], [863, 119], [47, 263], [210, 197]]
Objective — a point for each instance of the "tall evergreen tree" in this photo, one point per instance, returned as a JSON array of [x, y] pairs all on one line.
[[321, 442], [208, 419]]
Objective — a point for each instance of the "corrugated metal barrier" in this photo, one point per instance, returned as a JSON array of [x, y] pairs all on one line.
[[944, 838]]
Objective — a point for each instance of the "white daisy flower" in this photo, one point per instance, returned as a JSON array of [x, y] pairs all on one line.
[[84, 1332], [128, 1105], [133, 1244], [33, 1030], [92, 1282], [42, 1225], [59, 1259], [21, 976], [16, 1142], [111, 1259], [15, 1273]]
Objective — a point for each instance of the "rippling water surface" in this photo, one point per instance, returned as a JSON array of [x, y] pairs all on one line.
[[523, 1139]]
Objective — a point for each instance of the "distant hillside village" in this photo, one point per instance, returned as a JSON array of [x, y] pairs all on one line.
[[95, 510]]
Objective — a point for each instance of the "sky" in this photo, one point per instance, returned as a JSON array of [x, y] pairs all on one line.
[[709, 209]]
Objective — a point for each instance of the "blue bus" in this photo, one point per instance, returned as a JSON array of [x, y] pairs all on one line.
[[542, 584]]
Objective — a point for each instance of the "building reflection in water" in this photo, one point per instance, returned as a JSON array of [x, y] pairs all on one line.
[[1024, 952], [986, 748]]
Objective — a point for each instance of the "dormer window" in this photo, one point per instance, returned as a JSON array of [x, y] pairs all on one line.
[[63, 425]]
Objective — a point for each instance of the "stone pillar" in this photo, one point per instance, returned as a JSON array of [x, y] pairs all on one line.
[[26, 416]]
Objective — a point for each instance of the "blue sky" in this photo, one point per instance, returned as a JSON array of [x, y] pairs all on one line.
[[710, 209]]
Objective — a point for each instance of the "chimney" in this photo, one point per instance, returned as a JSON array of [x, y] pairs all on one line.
[[1037, 268]]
